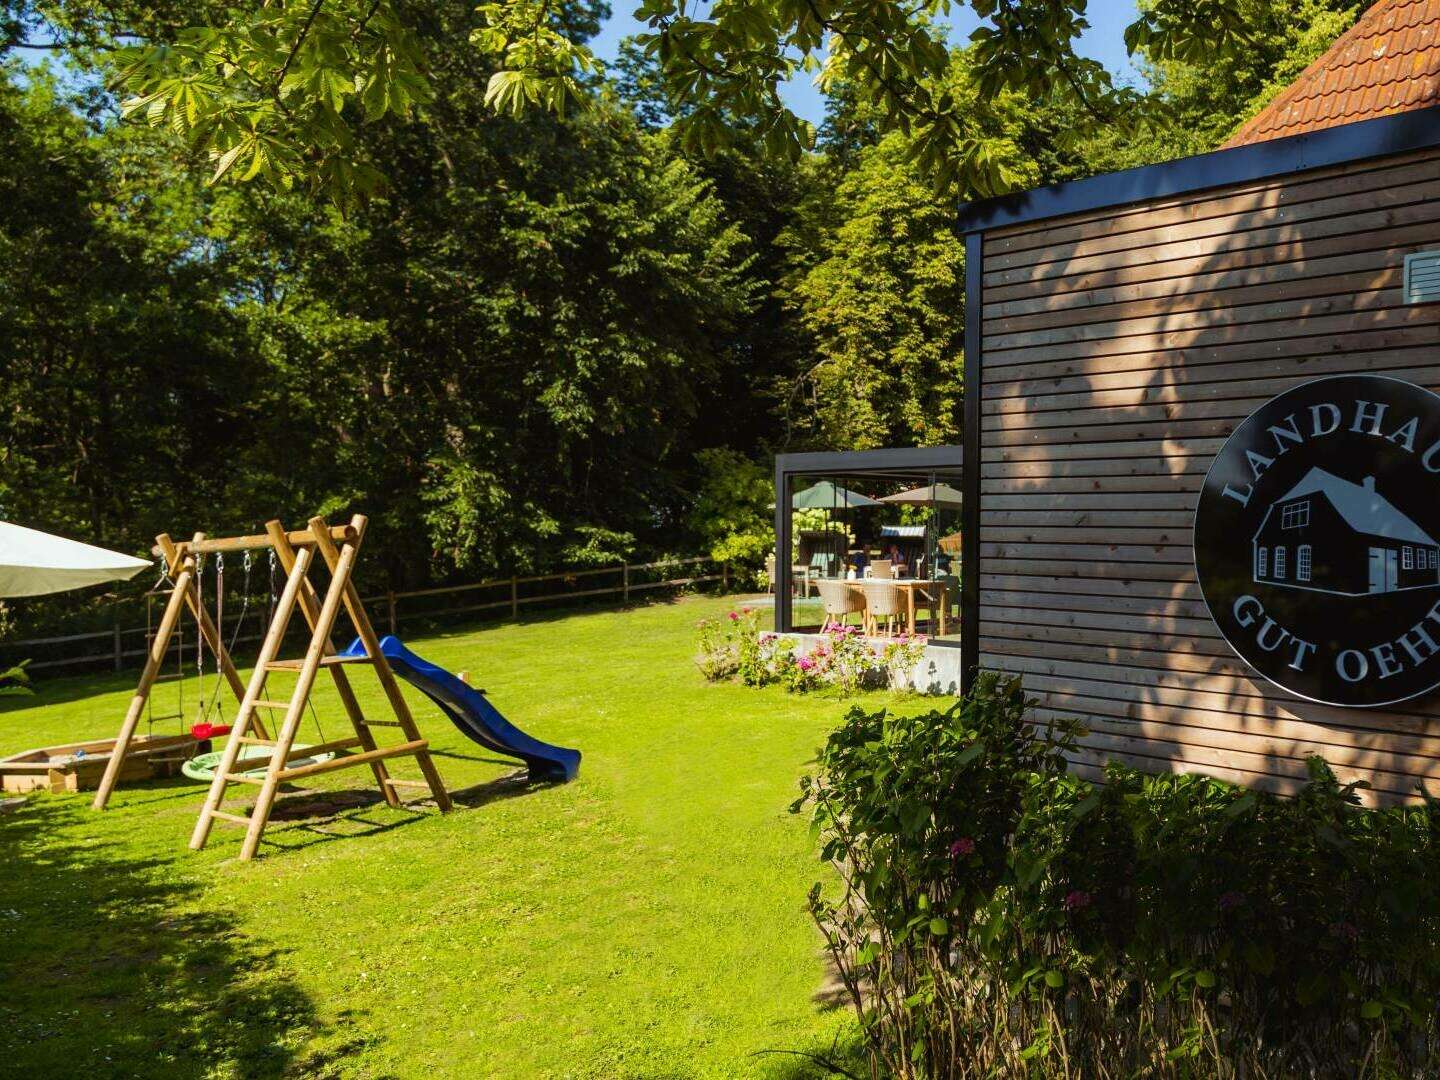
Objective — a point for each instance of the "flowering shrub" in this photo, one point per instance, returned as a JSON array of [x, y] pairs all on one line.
[[901, 657], [766, 659], [732, 647], [999, 916], [722, 643]]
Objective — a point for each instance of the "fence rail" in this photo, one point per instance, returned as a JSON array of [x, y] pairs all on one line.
[[386, 608]]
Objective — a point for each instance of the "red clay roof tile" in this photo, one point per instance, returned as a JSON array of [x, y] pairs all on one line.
[[1388, 62]]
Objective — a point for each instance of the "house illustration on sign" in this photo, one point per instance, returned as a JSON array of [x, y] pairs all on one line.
[[1332, 535]]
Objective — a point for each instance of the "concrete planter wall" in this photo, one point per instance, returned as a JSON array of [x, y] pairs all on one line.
[[937, 673]]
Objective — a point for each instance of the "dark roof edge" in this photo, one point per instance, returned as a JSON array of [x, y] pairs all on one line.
[[902, 457], [1414, 130]]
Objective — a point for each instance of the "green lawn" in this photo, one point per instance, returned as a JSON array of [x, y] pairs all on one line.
[[645, 920]]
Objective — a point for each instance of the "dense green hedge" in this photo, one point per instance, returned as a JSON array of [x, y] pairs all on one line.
[[1000, 915]]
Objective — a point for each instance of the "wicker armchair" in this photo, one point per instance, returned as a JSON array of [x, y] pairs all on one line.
[[883, 602], [839, 600]]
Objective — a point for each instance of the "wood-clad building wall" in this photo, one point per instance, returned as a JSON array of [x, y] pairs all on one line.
[[1117, 349]]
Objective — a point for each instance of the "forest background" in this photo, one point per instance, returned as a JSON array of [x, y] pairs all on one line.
[[546, 342]]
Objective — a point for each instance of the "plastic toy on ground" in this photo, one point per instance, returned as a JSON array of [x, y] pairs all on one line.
[[202, 766]]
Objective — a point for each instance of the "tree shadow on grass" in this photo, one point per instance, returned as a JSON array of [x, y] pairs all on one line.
[[107, 970]]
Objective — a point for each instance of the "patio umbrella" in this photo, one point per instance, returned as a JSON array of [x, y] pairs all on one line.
[[33, 563], [826, 495], [929, 495]]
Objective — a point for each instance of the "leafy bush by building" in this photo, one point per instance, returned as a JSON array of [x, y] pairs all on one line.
[[998, 915]]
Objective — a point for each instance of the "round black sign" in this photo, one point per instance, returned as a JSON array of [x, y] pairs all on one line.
[[1317, 540]]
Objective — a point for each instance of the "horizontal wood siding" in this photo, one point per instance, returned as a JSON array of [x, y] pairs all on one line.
[[1119, 350]]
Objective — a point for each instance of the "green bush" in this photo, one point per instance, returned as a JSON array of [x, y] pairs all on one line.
[[998, 915], [15, 681]]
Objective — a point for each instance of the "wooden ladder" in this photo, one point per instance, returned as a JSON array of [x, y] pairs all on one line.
[[321, 654]]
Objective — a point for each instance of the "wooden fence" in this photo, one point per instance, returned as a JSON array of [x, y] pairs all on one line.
[[505, 596]]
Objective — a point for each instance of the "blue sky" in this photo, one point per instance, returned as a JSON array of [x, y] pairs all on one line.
[[1104, 41]]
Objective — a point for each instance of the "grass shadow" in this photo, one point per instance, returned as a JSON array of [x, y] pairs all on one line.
[[511, 786], [844, 1056], [452, 755], [320, 817], [309, 817], [107, 969]]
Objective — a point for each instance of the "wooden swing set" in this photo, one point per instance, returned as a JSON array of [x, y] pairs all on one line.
[[338, 547]]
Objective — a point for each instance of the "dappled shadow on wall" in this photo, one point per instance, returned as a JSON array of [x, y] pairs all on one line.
[[1119, 354]]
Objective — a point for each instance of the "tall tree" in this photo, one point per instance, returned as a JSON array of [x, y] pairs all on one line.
[[1198, 104]]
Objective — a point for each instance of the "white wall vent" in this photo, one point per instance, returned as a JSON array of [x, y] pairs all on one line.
[[1422, 277]]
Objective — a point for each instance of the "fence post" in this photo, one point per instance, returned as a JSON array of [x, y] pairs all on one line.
[[390, 602], [625, 582], [119, 654], [514, 598], [724, 577]]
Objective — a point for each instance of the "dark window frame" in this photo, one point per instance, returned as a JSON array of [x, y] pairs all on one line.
[[844, 463]]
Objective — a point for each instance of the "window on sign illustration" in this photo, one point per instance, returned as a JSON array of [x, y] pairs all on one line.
[[1279, 564], [1261, 559], [1295, 516], [1302, 563], [1407, 558]]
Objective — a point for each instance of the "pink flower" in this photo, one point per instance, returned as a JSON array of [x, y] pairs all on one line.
[[734, 616], [744, 611], [765, 639], [962, 847], [1077, 900], [805, 663]]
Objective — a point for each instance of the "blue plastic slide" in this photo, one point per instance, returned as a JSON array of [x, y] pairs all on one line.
[[471, 712]]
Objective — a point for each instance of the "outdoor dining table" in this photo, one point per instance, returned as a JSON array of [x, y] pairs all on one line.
[[910, 586]]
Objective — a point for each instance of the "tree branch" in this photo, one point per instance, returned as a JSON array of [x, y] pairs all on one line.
[[886, 81], [360, 27], [299, 40]]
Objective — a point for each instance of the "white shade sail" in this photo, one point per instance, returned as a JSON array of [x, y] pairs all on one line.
[[33, 563]]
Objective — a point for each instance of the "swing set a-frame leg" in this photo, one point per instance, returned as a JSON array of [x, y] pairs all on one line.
[[310, 607], [239, 735], [183, 572], [366, 632], [159, 647]]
